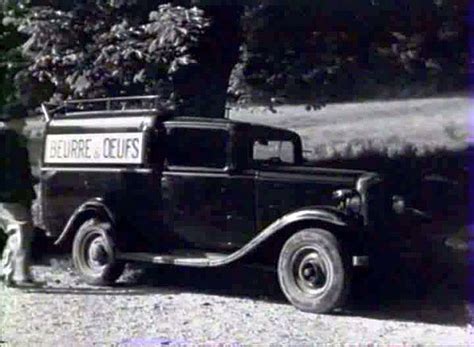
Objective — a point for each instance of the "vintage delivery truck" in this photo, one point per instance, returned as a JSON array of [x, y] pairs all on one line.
[[122, 181]]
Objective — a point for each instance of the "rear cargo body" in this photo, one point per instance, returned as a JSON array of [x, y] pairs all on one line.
[[97, 157]]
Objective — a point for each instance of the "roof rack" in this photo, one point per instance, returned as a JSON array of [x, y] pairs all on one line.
[[126, 105]]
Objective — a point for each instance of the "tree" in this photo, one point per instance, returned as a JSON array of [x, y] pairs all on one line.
[[183, 51], [298, 51], [309, 50], [10, 61]]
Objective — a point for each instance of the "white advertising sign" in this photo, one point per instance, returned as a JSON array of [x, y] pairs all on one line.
[[104, 148]]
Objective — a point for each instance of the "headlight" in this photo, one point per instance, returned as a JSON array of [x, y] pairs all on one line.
[[349, 200], [354, 203]]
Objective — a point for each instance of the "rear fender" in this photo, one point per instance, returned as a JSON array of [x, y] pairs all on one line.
[[95, 207]]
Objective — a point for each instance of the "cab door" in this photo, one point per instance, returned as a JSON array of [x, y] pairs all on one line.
[[194, 186], [239, 202], [195, 205]]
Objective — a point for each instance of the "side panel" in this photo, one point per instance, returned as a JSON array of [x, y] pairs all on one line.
[[134, 197], [64, 191], [117, 159]]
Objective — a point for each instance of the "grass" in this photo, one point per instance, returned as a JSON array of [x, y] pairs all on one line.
[[389, 128]]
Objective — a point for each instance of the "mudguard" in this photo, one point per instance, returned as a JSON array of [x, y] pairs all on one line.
[[97, 206], [325, 214]]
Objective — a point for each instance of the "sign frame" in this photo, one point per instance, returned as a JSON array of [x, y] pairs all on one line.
[[113, 148]]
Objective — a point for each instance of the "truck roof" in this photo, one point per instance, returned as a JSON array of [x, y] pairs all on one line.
[[140, 122], [225, 123], [137, 113]]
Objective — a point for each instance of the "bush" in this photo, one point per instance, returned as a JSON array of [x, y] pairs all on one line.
[[407, 173]]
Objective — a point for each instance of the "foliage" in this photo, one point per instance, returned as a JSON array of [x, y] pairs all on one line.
[[296, 51], [10, 60], [110, 58], [100, 48], [326, 50]]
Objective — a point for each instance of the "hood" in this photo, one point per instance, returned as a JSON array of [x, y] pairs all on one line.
[[348, 177]]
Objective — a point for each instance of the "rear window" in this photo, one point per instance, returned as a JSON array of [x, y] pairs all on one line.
[[190, 147], [274, 152]]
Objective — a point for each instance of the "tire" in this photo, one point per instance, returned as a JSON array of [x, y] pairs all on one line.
[[93, 253], [312, 272]]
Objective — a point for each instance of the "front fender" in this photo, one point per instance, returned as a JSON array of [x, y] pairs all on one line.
[[93, 207], [326, 214]]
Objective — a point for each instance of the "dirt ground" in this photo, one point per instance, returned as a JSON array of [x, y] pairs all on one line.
[[160, 306]]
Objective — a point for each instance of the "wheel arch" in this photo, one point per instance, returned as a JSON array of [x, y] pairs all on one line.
[[265, 247], [268, 251], [94, 208]]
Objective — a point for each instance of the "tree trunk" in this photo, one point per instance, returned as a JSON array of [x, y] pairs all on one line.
[[202, 88]]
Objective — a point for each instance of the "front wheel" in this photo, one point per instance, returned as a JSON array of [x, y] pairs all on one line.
[[312, 272], [93, 253]]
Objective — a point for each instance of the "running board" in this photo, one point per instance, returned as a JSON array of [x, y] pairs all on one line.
[[196, 259], [202, 259]]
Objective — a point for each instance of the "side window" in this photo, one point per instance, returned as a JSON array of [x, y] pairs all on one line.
[[274, 151], [197, 147]]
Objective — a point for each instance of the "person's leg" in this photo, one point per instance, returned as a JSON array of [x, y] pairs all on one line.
[[22, 253], [17, 217], [7, 263]]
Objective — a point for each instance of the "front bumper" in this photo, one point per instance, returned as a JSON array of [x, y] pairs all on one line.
[[360, 260]]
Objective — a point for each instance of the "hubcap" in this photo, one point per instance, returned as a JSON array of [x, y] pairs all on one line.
[[310, 270], [97, 252]]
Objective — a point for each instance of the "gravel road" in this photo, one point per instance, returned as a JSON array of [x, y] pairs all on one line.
[[228, 307]]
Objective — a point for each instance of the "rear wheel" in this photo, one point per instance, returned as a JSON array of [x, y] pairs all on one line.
[[312, 272], [93, 253]]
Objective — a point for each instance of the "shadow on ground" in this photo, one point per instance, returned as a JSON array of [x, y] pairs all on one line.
[[402, 289], [402, 292]]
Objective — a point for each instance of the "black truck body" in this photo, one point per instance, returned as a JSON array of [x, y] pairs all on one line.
[[202, 192]]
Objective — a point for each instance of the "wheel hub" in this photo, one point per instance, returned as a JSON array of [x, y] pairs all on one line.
[[311, 272], [98, 253]]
